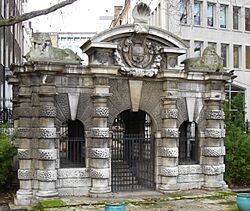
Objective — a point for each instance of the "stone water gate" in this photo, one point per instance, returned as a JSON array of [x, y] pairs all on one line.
[[130, 120]]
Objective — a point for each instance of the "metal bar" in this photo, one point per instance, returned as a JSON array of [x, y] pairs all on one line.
[[133, 162]]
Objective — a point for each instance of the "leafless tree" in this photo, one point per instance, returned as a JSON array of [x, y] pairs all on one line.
[[26, 16]]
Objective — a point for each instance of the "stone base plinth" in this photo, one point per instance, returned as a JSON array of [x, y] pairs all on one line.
[[100, 190], [23, 198], [46, 194], [168, 188]]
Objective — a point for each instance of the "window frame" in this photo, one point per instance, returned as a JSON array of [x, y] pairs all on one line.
[[247, 59], [201, 48], [184, 56], [247, 19], [236, 16], [197, 22], [213, 14], [224, 25], [226, 57], [237, 64], [183, 12], [212, 44], [231, 90]]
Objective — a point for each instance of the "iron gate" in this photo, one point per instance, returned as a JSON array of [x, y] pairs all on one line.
[[132, 162]]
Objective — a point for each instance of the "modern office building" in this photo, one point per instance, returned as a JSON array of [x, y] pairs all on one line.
[[223, 24]]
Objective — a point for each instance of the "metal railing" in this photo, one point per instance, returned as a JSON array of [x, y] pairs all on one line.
[[132, 162], [72, 152]]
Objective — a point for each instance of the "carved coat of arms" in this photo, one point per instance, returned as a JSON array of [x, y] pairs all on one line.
[[141, 57]]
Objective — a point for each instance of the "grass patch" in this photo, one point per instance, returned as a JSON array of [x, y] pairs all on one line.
[[221, 195], [42, 205], [229, 203], [226, 193]]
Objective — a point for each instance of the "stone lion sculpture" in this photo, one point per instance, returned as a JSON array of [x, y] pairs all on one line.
[[210, 61], [42, 50]]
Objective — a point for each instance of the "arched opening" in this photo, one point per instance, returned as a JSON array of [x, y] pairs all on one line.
[[188, 143], [72, 144], [132, 152]]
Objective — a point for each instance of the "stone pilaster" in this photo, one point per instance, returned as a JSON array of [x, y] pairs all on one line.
[[23, 123], [168, 150], [212, 148], [98, 151], [46, 153]]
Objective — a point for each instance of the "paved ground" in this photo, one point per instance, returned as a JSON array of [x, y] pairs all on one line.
[[195, 200]]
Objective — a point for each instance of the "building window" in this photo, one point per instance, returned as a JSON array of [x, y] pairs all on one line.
[[197, 13], [235, 98], [72, 145], [236, 17], [184, 56], [188, 143], [210, 14], [223, 16], [197, 48], [247, 57], [224, 54], [236, 56], [183, 11], [247, 19], [212, 44]]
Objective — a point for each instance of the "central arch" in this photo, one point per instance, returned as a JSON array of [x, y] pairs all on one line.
[[132, 157]]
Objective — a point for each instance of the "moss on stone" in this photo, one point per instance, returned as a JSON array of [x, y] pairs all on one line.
[[42, 205]]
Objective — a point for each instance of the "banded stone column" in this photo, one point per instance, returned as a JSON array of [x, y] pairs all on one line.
[[168, 150], [99, 154], [213, 149], [46, 153], [23, 119]]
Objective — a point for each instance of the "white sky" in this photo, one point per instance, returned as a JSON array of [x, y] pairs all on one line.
[[81, 16]]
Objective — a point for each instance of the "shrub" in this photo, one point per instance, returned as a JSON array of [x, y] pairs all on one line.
[[237, 143], [7, 151], [237, 158]]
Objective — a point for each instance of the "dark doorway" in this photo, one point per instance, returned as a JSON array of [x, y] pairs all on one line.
[[72, 144], [188, 143], [132, 152]]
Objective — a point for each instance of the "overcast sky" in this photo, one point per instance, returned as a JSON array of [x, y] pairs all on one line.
[[81, 16]]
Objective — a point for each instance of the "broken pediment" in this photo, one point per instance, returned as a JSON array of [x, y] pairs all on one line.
[[137, 54], [43, 51]]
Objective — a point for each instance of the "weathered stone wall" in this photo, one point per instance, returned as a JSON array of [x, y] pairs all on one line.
[[73, 182], [190, 177]]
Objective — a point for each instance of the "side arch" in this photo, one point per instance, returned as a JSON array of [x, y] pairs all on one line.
[[132, 152], [72, 144]]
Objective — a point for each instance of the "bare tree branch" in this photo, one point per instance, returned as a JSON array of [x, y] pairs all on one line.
[[29, 15]]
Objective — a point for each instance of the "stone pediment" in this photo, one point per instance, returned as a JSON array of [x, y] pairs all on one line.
[[141, 50], [139, 53]]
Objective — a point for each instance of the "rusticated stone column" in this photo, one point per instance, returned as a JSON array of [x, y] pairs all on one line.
[[213, 149], [99, 154], [23, 123], [46, 153], [168, 150]]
